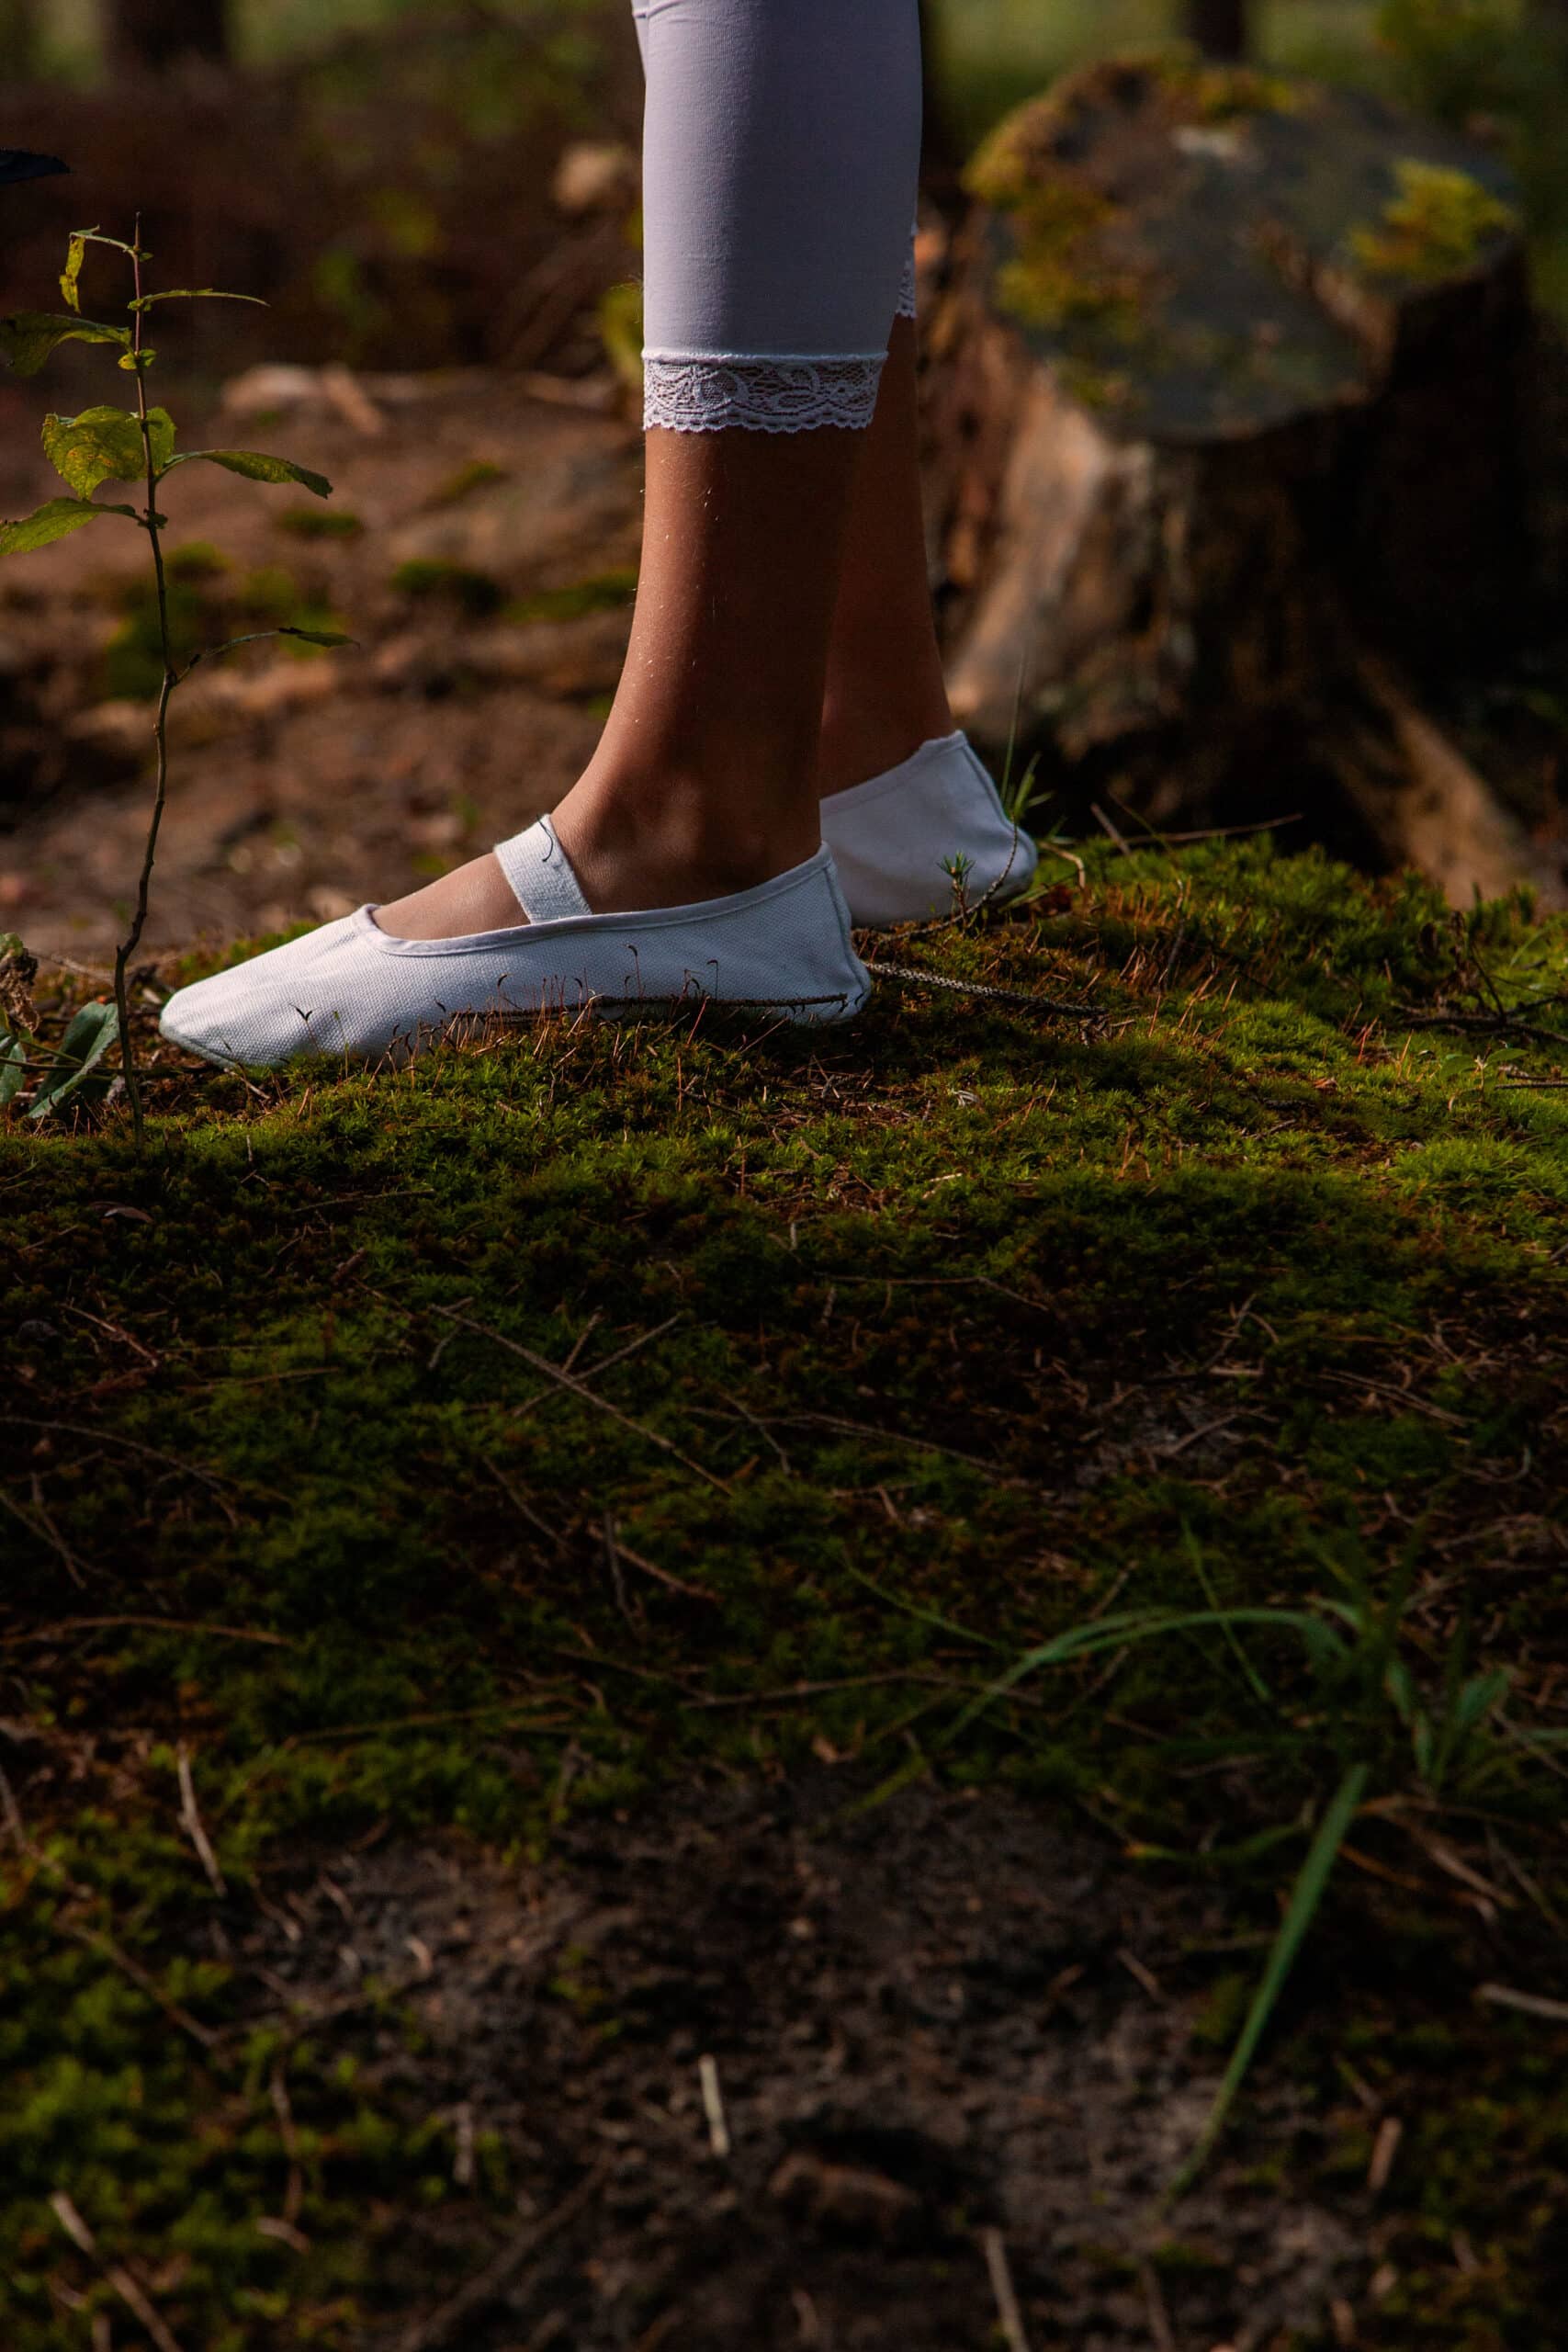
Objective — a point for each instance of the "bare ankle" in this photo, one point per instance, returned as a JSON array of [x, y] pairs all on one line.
[[859, 742], [673, 839]]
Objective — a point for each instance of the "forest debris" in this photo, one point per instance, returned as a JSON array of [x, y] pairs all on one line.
[[124, 2284], [1529, 2004], [994, 2245], [18, 969], [191, 1823], [525, 527], [713, 2106], [449, 2323], [276, 385], [1440, 815], [1391, 2131], [594, 175], [352, 401], [845, 2197]]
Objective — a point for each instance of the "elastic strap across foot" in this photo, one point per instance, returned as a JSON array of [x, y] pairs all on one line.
[[540, 875]]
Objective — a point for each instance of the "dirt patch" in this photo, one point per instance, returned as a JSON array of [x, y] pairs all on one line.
[[926, 2022], [486, 540]]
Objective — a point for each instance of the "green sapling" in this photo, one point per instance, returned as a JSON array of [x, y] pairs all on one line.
[[119, 445]]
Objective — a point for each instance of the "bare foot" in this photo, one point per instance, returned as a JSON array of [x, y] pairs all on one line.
[[476, 897], [629, 850]]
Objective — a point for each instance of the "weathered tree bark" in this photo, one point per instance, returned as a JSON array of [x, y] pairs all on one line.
[[1220, 27], [151, 36], [1223, 380]]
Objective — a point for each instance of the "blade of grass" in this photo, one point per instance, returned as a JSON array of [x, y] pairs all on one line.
[[1259, 1688], [1315, 1873], [1095, 1635], [926, 1616]]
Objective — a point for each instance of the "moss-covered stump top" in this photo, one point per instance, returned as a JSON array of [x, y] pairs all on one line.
[[1209, 251]]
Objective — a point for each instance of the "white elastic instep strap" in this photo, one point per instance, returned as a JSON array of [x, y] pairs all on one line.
[[540, 875]]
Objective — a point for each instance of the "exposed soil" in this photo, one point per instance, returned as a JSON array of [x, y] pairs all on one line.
[[929, 2020], [301, 785]]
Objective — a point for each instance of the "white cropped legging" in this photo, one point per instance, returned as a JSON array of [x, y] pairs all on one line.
[[781, 154]]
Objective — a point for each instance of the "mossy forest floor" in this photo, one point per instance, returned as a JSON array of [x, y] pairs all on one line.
[[511, 1836]]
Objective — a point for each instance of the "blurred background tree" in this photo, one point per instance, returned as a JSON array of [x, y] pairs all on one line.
[[1220, 27], [149, 36], [394, 147]]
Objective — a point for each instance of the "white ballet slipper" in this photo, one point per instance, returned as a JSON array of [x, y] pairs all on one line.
[[354, 989], [899, 840]]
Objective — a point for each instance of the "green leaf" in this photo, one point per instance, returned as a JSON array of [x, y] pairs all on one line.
[[256, 467], [28, 337], [55, 520], [137, 359], [105, 445], [317, 636], [1400, 1684], [1315, 1873], [196, 294], [84, 1044], [76, 253], [1480, 1696], [13, 1059]]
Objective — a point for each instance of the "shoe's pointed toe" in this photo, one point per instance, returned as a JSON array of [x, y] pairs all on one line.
[[306, 996]]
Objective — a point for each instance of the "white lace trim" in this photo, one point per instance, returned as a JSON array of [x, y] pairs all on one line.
[[789, 393]]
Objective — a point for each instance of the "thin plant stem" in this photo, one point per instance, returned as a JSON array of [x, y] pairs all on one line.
[[124, 952]]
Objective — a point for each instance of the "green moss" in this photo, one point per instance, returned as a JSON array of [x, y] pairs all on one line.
[[196, 559], [1439, 223], [317, 522], [478, 473], [939, 1334], [1059, 275], [133, 660], [1207, 93], [477, 594], [604, 591]]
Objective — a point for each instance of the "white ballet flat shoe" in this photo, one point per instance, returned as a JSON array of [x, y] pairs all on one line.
[[896, 840], [354, 989]]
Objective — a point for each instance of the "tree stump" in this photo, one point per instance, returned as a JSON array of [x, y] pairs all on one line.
[[1224, 380]]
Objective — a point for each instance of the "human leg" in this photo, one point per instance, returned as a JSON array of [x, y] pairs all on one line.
[[886, 694], [781, 158]]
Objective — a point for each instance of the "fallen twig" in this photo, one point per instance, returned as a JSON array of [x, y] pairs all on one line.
[[590, 1396], [1007, 2311], [69, 1625], [42, 1525], [1413, 1017], [650, 1568], [1529, 2004], [124, 2284], [1029, 998], [203, 2036], [190, 1822], [713, 2106], [603, 1364], [1159, 2318], [453, 2317]]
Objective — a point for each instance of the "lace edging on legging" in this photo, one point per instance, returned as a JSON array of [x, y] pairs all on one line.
[[692, 392]]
